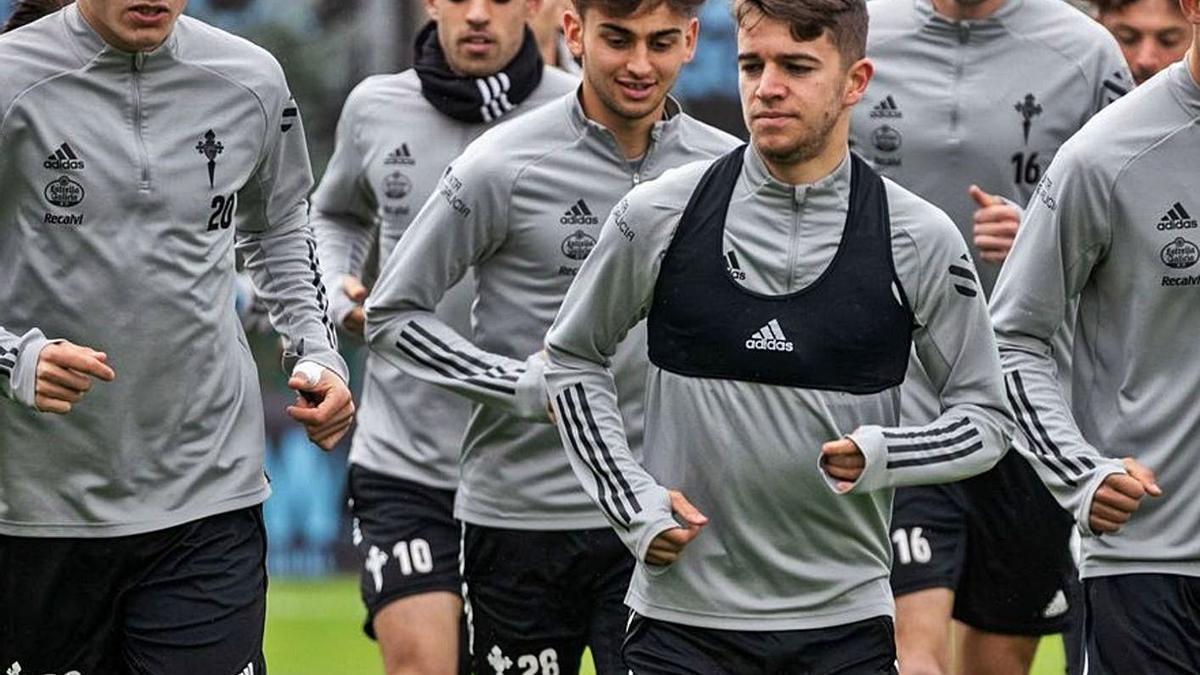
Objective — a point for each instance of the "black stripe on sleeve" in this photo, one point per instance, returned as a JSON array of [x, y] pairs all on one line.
[[447, 348], [604, 482], [1041, 429], [608, 458], [939, 444], [430, 359], [1038, 451], [922, 433], [935, 459]]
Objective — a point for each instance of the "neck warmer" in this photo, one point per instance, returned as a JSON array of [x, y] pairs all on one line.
[[475, 99]]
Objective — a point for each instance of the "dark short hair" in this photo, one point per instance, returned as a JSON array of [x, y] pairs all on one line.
[[845, 20], [28, 11], [623, 8], [1106, 6]]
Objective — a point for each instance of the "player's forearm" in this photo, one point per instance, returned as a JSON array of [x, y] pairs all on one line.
[[282, 262], [423, 346], [584, 399], [967, 439], [343, 244], [18, 364], [1046, 432]]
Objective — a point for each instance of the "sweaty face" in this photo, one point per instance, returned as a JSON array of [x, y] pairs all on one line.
[[793, 93], [480, 37], [630, 63], [1153, 34], [132, 25]]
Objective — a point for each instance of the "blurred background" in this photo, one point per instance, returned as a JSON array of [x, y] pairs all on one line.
[[326, 47]]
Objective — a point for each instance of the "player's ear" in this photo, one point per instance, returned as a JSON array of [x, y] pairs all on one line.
[[431, 9], [573, 32], [858, 76]]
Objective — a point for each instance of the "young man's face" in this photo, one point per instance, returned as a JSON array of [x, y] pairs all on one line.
[[480, 37], [632, 62], [793, 93], [132, 25], [1153, 34]]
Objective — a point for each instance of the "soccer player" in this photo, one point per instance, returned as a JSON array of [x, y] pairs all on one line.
[[522, 208], [1153, 34], [139, 149], [396, 136], [547, 26], [1112, 224], [954, 115], [783, 286]]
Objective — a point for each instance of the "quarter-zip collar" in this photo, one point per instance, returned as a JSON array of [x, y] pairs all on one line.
[[760, 181], [672, 119], [91, 47], [962, 32]]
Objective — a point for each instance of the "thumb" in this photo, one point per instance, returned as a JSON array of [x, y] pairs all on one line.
[[842, 446], [1144, 475], [982, 198], [685, 510], [354, 289]]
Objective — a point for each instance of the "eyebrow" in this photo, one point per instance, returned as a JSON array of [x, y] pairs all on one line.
[[798, 56], [628, 33]]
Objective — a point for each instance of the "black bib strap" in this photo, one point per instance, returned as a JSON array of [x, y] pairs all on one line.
[[850, 330]]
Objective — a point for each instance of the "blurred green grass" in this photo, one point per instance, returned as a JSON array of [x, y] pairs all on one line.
[[315, 628]]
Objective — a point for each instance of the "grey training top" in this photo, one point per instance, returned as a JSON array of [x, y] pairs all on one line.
[[129, 178], [392, 148], [1114, 224], [782, 550], [986, 102], [522, 207]]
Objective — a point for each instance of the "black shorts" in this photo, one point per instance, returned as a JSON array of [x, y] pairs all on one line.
[[655, 647], [1142, 624], [189, 600], [406, 537], [999, 540], [536, 599]]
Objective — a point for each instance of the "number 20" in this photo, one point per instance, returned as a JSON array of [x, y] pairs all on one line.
[[223, 209]]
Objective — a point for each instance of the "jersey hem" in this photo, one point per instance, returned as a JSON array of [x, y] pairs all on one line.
[[111, 530], [804, 621], [529, 521], [1093, 570], [402, 470]]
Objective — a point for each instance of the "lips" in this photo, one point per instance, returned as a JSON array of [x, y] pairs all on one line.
[[149, 15], [635, 89], [477, 43]]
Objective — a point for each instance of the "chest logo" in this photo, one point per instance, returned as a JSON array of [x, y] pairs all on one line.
[[1177, 218], [63, 159], [1028, 108], [886, 109], [1180, 254], [770, 338], [579, 214], [400, 157], [396, 186], [210, 147], [887, 139], [64, 192], [579, 245]]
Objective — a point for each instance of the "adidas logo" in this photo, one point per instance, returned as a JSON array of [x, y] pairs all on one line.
[[887, 108], [770, 338], [64, 159], [400, 155], [248, 670], [732, 266], [579, 214], [1177, 219], [1056, 607]]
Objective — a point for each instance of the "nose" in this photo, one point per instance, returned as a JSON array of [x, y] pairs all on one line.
[[771, 84], [1147, 58], [479, 12], [639, 62]]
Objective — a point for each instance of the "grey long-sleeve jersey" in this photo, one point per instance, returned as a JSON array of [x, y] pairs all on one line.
[[522, 207], [129, 178], [986, 102], [782, 550], [392, 148], [1113, 224]]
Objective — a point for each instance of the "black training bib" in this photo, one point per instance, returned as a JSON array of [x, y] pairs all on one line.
[[850, 330]]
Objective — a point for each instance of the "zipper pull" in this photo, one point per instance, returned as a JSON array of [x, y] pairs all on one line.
[[139, 61]]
